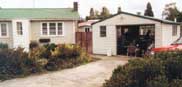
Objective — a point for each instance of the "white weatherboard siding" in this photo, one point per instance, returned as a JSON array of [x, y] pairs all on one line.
[[101, 45], [167, 37], [68, 29], [9, 39], [21, 40]]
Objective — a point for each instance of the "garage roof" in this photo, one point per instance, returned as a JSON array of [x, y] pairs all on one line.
[[145, 17]]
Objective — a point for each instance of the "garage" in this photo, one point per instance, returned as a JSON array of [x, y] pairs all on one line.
[[137, 38], [118, 34]]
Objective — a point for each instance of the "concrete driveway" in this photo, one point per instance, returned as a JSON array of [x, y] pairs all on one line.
[[90, 75]]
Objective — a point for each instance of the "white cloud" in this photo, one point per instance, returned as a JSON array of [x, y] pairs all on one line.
[[85, 5]]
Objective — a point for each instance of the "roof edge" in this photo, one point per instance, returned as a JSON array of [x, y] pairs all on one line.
[[145, 17]]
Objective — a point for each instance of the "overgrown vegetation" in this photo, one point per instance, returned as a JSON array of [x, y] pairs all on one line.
[[3, 46], [17, 63], [162, 70]]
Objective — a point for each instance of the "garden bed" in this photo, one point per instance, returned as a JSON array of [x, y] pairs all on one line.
[[17, 63]]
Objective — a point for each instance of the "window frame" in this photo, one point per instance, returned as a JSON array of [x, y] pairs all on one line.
[[101, 31], [42, 32], [87, 29], [19, 30], [174, 30], [48, 29], [7, 30]]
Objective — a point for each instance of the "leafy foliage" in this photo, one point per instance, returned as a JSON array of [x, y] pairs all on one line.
[[3, 46], [17, 63], [164, 70], [94, 14]]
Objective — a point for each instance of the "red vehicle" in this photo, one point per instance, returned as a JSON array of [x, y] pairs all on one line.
[[177, 45]]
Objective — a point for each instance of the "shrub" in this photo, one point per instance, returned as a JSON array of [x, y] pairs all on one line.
[[170, 54], [66, 56], [12, 63], [162, 70], [174, 68], [33, 45], [50, 47], [16, 63], [176, 83], [3, 46], [137, 73]]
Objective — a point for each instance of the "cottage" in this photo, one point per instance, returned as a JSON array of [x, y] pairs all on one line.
[[116, 33], [21, 26]]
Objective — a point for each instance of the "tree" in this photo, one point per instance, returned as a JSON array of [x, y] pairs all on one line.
[[173, 13], [148, 11], [105, 13], [92, 13]]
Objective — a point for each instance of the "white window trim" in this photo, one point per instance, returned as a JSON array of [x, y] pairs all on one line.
[[7, 27], [17, 28], [48, 29]]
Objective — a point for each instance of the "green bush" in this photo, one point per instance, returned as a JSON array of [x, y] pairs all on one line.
[[162, 70], [17, 63], [51, 46], [66, 56], [3, 46], [12, 63], [137, 73], [33, 45]]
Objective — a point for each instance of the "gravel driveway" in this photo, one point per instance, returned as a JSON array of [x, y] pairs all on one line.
[[90, 75]]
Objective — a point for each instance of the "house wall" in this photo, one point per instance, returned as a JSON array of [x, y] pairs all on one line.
[[8, 40], [101, 45], [69, 32], [167, 37]]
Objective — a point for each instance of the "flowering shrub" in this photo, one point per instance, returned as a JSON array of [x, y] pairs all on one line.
[[17, 63]]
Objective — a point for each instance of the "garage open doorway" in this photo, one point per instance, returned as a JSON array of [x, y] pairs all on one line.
[[135, 40]]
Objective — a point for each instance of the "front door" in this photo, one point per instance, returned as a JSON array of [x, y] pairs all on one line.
[[21, 34]]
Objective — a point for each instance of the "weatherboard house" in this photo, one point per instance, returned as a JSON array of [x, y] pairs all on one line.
[[21, 26], [110, 34]]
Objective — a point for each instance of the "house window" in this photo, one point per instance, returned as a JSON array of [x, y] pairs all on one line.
[[174, 30], [19, 28], [44, 29], [87, 29], [60, 29], [4, 30], [102, 31], [52, 29]]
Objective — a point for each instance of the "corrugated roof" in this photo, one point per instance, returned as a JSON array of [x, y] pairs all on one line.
[[38, 13], [145, 17]]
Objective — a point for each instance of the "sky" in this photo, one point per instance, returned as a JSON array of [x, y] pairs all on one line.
[[132, 6]]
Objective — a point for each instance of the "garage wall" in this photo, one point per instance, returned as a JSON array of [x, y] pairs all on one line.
[[167, 37], [101, 45]]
